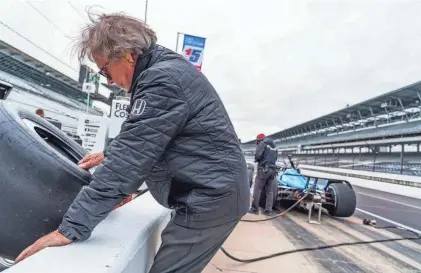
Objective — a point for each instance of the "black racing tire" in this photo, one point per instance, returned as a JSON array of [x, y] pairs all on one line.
[[345, 200], [39, 178]]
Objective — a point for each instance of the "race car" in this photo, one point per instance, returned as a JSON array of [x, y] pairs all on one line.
[[336, 196]]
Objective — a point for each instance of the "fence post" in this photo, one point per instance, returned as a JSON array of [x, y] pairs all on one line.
[[402, 150], [374, 159]]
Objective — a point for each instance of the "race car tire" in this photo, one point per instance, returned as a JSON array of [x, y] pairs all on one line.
[[39, 178], [345, 200]]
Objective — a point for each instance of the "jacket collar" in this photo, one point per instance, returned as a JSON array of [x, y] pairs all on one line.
[[146, 60], [143, 62]]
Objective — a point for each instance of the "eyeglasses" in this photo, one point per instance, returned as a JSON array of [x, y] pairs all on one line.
[[104, 71]]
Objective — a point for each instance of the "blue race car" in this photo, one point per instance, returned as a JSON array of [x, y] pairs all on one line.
[[336, 196]]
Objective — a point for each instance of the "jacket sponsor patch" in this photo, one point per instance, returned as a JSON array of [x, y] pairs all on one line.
[[138, 107]]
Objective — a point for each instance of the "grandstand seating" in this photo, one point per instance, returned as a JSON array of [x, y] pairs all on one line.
[[394, 118], [386, 163], [411, 127]]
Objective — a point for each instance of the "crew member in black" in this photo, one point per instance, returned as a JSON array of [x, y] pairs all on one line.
[[266, 156]]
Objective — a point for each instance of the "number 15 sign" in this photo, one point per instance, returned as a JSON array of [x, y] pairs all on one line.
[[193, 48]]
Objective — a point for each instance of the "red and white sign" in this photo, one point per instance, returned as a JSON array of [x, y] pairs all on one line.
[[193, 48]]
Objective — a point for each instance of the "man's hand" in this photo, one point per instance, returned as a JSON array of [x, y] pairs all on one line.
[[125, 201], [91, 160], [55, 238]]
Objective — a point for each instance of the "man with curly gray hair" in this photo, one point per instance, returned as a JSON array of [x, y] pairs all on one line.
[[178, 138]]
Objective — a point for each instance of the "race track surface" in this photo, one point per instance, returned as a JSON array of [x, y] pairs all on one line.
[[395, 208], [250, 240]]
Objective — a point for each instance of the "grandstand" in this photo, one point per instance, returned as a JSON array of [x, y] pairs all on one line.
[[37, 85], [380, 134]]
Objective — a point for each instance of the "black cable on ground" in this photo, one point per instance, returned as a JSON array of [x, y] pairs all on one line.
[[317, 248], [365, 222], [371, 223], [278, 215]]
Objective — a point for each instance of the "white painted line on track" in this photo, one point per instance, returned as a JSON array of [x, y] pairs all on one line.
[[389, 200], [388, 220]]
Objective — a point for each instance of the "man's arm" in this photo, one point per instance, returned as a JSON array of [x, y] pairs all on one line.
[[259, 151], [130, 157]]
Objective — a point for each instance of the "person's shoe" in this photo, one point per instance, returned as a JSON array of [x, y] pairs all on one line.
[[267, 213], [253, 211]]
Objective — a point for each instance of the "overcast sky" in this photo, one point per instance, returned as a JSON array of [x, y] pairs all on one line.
[[274, 63]]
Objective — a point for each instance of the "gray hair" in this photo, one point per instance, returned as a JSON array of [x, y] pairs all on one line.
[[113, 36]]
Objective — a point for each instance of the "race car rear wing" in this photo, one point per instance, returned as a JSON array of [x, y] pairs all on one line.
[[5, 89]]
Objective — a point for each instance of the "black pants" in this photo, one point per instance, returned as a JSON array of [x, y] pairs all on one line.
[[263, 178], [187, 250]]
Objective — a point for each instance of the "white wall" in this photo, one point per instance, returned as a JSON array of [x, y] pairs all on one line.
[[414, 192], [126, 241]]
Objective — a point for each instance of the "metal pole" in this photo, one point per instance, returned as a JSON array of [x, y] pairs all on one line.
[[337, 161], [402, 150], [176, 45], [146, 11], [87, 102], [374, 160]]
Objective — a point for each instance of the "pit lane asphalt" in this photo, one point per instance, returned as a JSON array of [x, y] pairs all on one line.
[[374, 204], [386, 208]]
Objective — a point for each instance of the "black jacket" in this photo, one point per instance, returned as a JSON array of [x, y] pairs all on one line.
[[266, 153], [179, 139]]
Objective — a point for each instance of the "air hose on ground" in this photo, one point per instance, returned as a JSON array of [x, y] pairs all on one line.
[[418, 237], [371, 223], [278, 215]]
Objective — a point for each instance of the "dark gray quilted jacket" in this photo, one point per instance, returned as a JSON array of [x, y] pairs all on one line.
[[179, 139]]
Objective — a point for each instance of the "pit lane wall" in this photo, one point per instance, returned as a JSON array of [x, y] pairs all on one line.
[[126, 241], [393, 183]]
